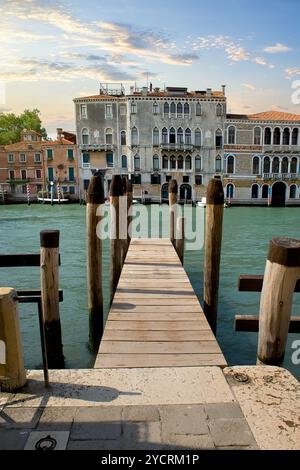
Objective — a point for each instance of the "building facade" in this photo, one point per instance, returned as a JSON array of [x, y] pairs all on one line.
[[31, 165], [152, 136]]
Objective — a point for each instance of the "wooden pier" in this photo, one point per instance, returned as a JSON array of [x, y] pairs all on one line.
[[155, 319]]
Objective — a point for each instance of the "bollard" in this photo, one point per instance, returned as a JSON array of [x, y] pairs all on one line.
[[179, 243], [116, 192], [50, 297], [12, 372], [281, 274], [94, 197], [173, 189], [213, 242]]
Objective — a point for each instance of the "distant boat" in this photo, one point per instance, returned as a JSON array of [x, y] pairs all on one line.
[[48, 200], [202, 203]]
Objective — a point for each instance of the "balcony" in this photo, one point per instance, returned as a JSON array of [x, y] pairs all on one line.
[[281, 176], [96, 147], [281, 148], [177, 147]]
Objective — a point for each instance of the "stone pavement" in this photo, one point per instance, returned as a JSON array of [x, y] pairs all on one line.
[[161, 408]]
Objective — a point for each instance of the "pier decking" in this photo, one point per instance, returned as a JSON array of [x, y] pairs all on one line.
[[155, 319]]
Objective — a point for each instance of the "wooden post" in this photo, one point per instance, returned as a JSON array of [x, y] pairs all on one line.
[[129, 210], [50, 297], [173, 190], [213, 242], [180, 238], [94, 197], [124, 220], [116, 191], [12, 372], [281, 274]]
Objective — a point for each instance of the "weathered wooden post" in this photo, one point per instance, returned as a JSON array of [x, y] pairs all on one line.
[[94, 197], [124, 219], [50, 297], [173, 190], [116, 191], [129, 211], [281, 274], [12, 372], [213, 242], [179, 243]]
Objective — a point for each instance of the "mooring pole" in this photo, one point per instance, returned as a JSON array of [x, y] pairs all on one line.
[[129, 211], [94, 198], [179, 243], [281, 274], [124, 219], [116, 192], [50, 296], [173, 190], [12, 372], [213, 242]]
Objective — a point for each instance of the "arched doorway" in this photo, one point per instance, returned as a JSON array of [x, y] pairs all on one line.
[[278, 194], [165, 192], [186, 192]]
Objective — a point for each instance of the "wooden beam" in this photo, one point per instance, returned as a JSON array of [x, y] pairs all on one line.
[[37, 293], [20, 260], [253, 283], [250, 323]]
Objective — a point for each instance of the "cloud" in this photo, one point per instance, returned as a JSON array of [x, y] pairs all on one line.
[[262, 61], [292, 72], [277, 48], [250, 86]]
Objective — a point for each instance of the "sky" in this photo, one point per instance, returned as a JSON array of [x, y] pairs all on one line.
[[52, 51]]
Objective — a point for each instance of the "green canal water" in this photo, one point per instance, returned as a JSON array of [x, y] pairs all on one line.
[[247, 231]]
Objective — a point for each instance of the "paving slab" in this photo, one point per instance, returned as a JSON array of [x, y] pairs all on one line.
[[140, 413], [97, 423], [12, 439], [231, 432], [183, 420], [58, 418], [14, 418], [270, 400]]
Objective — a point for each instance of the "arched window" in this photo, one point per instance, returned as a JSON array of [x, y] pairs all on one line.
[[164, 135], [231, 135], [173, 108], [219, 110], [276, 136], [180, 162], [85, 136], [267, 165], [230, 164], [294, 165], [284, 165], [166, 108], [198, 109], [268, 135], [257, 136], [155, 136], [219, 138], [197, 138], [188, 163], [123, 137], [254, 191], [180, 136], [188, 136], [275, 165], [186, 109], [155, 108], [133, 107], [173, 162], [165, 162], [124, 161], [108, 136], [229, 191], [137, 163], [293, 189], [172, 136], [218, 164], [179, 108], [295, 135], [286, 136], [265, 191], [134, 136], [255, 166], [198, 163], [155, 162]]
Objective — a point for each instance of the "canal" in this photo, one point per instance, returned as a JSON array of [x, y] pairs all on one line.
[[247, 231]]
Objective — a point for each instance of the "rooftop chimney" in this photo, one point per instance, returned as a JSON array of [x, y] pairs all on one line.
[[145, 91], [59, 133], [223, 89], [208, 91]]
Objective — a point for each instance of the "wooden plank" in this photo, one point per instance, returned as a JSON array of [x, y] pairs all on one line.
[[157, 325], [154, 289], [254, 282], [158, 360], [250, 323], [153, 316], [20, 260], [137, 335], [158, 301], [159, 347], [37, 293], [158, 309]]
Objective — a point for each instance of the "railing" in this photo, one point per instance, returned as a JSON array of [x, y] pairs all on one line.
[[177, 147], [280, 176], [104, 147]]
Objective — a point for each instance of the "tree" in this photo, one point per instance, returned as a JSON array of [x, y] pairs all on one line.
[[11, 125]]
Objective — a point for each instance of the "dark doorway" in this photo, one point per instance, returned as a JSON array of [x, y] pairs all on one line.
[[165, 192], [185, 192], [278, 194]]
